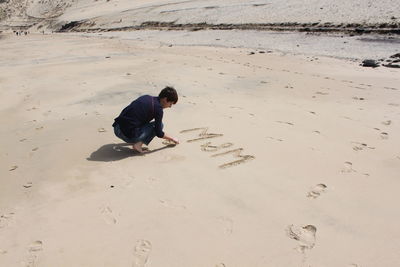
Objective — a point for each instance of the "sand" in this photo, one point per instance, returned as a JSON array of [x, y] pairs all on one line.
[[289, 152], [310, 177], [355, 48], [111, 14], [234, 11]]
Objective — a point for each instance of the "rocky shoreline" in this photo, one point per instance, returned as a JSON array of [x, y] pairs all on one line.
[[391, 62]]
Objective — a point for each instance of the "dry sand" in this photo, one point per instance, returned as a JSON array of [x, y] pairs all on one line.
[[231, 11], [318, 186], [105, 14]]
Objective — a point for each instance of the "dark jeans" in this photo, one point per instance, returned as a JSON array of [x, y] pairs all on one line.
[[147, 133]]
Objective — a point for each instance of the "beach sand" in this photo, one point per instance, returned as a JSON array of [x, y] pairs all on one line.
[[310, 178]]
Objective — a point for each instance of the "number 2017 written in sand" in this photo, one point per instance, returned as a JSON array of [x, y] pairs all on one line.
[[209, 147]]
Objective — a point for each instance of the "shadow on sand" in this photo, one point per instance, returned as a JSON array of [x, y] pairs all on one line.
[[114, 152]]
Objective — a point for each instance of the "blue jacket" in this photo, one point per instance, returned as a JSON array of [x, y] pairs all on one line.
[[140, 112]]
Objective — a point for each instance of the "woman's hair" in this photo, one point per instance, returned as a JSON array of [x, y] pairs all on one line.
[[170, 93]]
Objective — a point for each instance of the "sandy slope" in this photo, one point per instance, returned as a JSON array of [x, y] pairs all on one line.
[[234, 11], [127, 13], [321, 190]]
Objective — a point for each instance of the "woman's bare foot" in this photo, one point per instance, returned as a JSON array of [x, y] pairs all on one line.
[[138, 147]]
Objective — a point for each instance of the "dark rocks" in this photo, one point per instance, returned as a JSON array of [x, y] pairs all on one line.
[[70, 26], [395, 55], [391, 65], [359, 30], [370, 63], [392, 61]]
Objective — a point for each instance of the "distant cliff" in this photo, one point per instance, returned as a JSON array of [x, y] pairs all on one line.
[[356, 16]]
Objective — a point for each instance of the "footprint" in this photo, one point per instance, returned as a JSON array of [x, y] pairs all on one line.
[[33, 249], [317, 190], [234, 107], [321, 93], [384, 135], [347, 118], [275, 139], [28, 185], [101, 130], [363, 84], [347, 81], [361, 146], [152, 182], [227, 224], [32, 108], [394, 104], [169, 204], [220, 265], [285, 122], [47, 113], [13, 168], [141, 253], [348, 167], [390, 88], [305, 235], [36, 246], [128, 181], [388, 122], [5, 219], [108, 215], [360, 88]]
